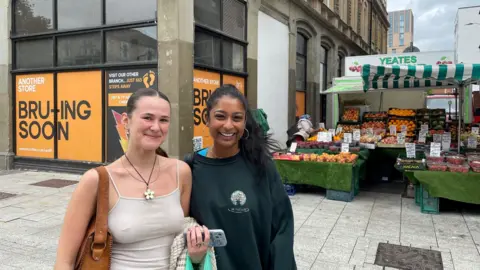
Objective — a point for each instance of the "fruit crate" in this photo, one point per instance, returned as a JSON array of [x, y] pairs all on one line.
[[429, 204], [344, 196], [418, 194], [290, 189], [365, 118], [357, 113], [393, 115], [404, 164]]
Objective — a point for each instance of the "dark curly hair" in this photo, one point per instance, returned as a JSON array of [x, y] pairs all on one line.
[[257, 147]]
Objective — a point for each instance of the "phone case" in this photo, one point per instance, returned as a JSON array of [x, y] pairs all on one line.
[[217, 238]]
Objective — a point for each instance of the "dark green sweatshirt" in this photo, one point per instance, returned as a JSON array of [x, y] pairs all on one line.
[[254, 211]]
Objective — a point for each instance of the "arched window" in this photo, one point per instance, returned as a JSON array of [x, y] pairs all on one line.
[[301, 73]]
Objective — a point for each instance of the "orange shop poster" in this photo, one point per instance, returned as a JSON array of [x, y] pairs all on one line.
[[204, 83], [35, 129], [120, 84], [238, 82], [79, 103]]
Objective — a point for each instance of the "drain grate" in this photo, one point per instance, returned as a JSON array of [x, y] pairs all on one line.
[[4, 195], [408, 258], [55, 183]]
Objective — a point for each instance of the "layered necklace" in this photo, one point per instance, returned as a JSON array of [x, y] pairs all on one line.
[[149, 194]]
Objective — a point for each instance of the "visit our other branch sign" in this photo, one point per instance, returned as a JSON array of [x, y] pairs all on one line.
[[78, 130]]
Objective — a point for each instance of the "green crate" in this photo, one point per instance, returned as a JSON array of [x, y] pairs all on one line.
[[418, 194], [357, 186], [429, 204]]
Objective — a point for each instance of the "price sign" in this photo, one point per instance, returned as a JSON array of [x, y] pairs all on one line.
[[435, 149], [332, 132], [437, 138], [424, 127], [410, 148], [329, 136], [321, 125], [322, 136], [472, 142], [347, 137], [404, 128], [393, 130], [356, 135], [370, 131], [345, 148], [475, 130], [401, 138], [339, 129], [446, 141], [422, 136], [293, 147]]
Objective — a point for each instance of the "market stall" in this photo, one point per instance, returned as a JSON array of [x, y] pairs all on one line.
[[445, 174]]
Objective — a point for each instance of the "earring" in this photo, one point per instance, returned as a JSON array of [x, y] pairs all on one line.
[[127, 133], [248, 134]]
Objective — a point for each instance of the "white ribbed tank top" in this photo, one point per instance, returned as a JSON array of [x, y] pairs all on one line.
[[143, 230]]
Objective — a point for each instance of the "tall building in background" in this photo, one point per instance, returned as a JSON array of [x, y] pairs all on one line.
[[400, 33]]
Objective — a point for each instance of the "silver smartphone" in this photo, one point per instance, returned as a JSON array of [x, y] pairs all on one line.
[[217, 238]]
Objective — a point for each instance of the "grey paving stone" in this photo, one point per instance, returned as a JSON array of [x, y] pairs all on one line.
[[320, 265]]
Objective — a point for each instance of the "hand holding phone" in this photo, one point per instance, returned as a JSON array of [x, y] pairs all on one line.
[[217, 238]]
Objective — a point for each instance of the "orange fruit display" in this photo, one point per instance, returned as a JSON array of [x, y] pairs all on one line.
[[401, 112], [400, 122]]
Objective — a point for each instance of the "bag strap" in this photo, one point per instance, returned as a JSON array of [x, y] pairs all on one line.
[[101, 218]]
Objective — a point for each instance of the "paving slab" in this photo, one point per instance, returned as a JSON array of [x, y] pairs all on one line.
[[328, 234]]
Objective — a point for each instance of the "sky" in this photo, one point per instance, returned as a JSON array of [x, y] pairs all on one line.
[[434, 21]]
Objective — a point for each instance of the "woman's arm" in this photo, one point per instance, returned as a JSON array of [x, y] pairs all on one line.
[[185, 186], [281, 245], [79, 212]]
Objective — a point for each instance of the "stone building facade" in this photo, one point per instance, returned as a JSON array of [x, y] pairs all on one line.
[[64, 74]]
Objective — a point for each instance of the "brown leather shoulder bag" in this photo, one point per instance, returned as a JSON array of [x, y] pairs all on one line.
[[95, 251]]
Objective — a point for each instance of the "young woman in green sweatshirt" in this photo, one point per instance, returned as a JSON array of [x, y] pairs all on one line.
[[236, 187]]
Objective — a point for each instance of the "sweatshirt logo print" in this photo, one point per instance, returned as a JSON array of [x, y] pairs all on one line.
[[238, 199]]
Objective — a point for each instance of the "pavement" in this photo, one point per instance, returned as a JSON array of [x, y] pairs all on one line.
[[328, 234]]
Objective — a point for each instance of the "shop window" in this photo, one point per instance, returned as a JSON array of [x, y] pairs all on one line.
[[207, 12], [142, 45], [126, 11], [340, 61], [301, 67], [233, 56], [33, 16], [87, 13], [324, 66], [234, 16], [34, 53], [79, 50], [207, 50]]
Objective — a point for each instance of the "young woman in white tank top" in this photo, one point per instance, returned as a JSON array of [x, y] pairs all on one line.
[[149, 195]]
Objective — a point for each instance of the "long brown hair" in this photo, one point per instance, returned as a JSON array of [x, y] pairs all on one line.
[[132, 105]]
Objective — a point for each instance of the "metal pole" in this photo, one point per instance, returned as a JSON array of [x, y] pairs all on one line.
[[460, 109]]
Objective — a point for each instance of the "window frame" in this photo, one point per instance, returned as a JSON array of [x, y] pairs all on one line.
[[222, 36], [55, 33], [305, 58]]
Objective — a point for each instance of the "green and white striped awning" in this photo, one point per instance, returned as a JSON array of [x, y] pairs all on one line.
[[345, 85], [421, 76]]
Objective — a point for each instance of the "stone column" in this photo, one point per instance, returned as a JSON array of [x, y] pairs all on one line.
[[175, 70], [252, 52], [6, 151], [292, 66]]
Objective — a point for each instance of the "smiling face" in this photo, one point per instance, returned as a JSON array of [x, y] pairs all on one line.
[[148, 123], [227, 122]]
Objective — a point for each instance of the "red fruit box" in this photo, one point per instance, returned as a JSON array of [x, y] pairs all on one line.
[[475, 165], [434, 159], [458, 168], [437, 166], [456, 159]]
